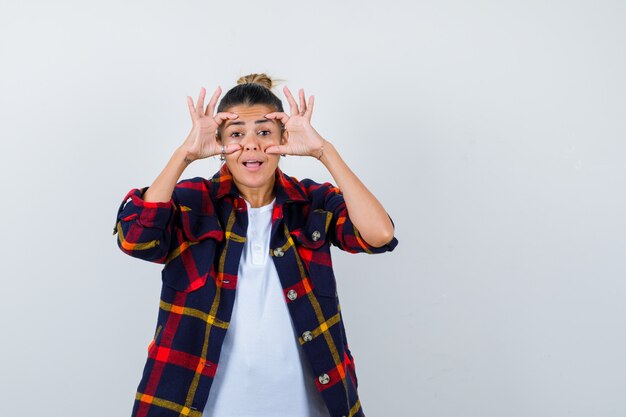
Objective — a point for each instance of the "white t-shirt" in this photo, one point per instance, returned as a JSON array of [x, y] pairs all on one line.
[[262, 369]]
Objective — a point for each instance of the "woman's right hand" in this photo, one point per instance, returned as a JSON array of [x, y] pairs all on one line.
[[202, 140]]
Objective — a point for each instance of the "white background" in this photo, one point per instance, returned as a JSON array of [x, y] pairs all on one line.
[[493, 132]]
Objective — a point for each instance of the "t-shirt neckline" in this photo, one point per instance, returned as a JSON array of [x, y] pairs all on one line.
[[262, 208]]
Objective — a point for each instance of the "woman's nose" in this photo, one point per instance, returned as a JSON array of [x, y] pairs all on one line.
[[250, 143]]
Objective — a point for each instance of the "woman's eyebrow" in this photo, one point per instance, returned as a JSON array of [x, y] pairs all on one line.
[[243, 123]]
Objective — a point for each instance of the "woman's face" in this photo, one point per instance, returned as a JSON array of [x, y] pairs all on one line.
[[251, 167]]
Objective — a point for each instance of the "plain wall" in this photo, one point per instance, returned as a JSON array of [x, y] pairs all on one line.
[[493, 132]]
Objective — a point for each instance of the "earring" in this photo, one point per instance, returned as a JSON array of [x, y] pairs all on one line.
[[222, 155]]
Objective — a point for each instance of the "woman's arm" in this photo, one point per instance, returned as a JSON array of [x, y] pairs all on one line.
[[200, 143], [144, 219], [162, 187], [367, 214]]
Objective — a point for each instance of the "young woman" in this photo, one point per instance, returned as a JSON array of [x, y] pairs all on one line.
[[249, 321]]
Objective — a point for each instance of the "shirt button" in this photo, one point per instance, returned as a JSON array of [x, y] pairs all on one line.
[[307, 336], [292, 295], [324, 379], [278, 252], [316, 236]]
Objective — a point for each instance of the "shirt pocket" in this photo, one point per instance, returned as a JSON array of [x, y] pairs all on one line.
[[314, 233], [191, 261], [313, 248], [199, 226]]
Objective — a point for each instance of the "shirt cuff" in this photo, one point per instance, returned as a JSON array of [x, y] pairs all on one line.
[[155, 214]]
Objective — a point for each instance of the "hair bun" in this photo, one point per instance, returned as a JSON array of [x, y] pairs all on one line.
[[262, 79]]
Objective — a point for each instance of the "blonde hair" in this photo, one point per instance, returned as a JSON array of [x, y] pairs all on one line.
[[262, 79]]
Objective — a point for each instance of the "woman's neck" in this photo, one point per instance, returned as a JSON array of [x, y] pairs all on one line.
[[257, 197]]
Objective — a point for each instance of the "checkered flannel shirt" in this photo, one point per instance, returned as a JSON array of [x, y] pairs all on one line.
[[199, 236]]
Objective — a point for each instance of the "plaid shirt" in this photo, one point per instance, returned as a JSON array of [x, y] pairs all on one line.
[[199, 236]]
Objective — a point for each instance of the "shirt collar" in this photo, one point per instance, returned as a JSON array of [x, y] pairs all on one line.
[[286, 189]]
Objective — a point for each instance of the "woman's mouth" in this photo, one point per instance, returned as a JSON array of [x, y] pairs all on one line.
[[252, 164]]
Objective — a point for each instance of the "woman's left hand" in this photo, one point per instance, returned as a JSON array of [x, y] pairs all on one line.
[[302, 139]]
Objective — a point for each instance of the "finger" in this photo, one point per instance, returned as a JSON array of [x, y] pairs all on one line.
[[223, 115], [277, 149], [192, 110], [211, 106], [200, 104], [302, 101], [309, 109], [282, 116], [293, 107]]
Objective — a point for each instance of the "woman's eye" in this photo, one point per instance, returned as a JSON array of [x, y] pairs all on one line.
[[264, 132], [235, 134]]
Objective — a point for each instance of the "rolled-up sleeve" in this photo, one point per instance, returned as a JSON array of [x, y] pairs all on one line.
[[144, 228], [343, 233]]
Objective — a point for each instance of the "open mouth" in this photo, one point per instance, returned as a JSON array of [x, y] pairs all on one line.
[[252, 164]]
